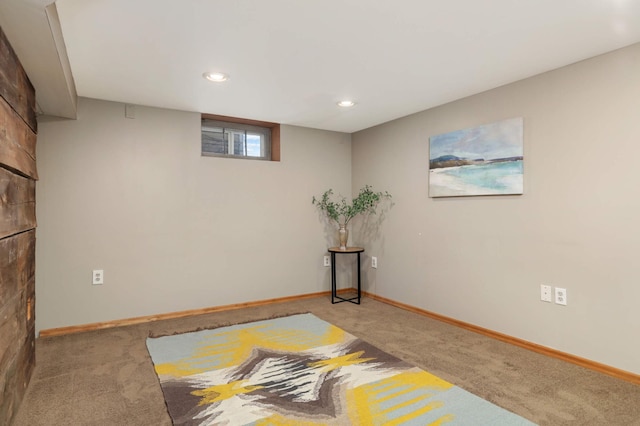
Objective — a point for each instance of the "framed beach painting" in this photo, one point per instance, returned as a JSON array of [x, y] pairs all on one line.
[[484, 160]]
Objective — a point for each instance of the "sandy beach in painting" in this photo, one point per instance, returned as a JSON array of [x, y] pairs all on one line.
[[442, 183]]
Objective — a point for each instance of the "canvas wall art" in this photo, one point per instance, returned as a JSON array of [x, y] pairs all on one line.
[[484, 160]]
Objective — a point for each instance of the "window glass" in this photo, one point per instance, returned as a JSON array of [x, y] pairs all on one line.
[[229, 139]]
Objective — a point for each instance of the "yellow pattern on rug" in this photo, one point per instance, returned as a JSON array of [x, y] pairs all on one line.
[[238, 344]]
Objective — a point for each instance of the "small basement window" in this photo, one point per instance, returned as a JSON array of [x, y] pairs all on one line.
[[240, 138]]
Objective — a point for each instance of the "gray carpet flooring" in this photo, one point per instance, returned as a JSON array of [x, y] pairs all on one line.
[[106, 377]]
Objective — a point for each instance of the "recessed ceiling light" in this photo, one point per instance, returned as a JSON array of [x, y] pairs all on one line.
[[215, 76], [346, 103]]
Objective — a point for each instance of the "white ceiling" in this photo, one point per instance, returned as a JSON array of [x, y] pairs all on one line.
[[290, 61]]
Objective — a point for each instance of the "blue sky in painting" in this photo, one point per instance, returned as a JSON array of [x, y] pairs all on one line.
[[495, 140]]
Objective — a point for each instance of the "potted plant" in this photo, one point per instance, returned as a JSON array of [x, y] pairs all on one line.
[[342, 212]]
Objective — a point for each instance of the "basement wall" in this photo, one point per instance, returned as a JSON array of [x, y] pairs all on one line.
[[171, 229], [482, 259]]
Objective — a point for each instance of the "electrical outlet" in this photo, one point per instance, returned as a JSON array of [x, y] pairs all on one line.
[[98, 276], [561, 296], [327, 261], [545, 293], [374, 262]]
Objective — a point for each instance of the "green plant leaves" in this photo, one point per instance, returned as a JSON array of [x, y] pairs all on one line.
[[342, 212]]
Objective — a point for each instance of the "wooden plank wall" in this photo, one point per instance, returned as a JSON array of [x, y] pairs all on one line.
[[18, 129]]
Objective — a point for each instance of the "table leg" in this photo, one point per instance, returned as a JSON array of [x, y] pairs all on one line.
[[333, 278], [358, 278]]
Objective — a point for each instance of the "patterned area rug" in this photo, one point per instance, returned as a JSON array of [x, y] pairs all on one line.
[[301, 370]]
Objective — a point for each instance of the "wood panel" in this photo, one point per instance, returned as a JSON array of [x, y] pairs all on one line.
[[15, 329], [17, 203], [17, 337], [15, 87], [17, 320], [17, 143], [17, 235], [17, 266]]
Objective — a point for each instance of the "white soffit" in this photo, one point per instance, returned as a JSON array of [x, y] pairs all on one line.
[[33, 29]]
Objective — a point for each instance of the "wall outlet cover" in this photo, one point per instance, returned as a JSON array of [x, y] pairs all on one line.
[[98, 277], [561, 296]]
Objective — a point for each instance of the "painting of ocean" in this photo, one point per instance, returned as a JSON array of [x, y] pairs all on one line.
[[484, 160]]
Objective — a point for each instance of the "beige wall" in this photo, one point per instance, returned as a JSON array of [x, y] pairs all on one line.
[[482, 260], [177, 231], [174, 230]]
